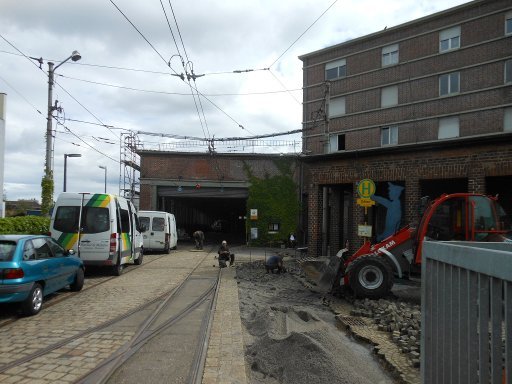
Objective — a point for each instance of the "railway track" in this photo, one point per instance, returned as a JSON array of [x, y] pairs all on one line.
[[193, 298]]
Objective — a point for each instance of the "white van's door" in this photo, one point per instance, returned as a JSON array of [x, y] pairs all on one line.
[[96, 228]]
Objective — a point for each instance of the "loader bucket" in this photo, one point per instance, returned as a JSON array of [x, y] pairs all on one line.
[[321, 271]]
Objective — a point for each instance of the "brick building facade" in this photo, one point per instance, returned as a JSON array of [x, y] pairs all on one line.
[[200, 188], [425, 106]]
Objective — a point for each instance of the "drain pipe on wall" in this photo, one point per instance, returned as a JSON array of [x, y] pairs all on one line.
[[325, 207]]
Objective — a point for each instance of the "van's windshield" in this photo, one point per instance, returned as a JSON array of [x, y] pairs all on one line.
[[94, 219]]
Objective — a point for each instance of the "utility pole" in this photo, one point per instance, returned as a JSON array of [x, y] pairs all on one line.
[[47, 185]]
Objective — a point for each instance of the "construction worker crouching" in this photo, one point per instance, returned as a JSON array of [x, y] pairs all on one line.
[[225, 255], [275, 262]]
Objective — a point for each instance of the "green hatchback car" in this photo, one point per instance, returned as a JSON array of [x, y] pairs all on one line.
[[33, 266]]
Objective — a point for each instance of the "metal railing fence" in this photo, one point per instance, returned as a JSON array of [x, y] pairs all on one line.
[[466, 330]]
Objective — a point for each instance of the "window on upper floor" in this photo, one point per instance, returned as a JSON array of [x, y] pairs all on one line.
[[336, 143], [448, 127], [389, 96], [390, 55], [449, 83], [508, 23], [336, 69], [507, 120], [389, 135], [449, 39], [508, 71], [336, 106]]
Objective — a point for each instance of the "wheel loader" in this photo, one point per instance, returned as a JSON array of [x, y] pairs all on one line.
[[370, 271]]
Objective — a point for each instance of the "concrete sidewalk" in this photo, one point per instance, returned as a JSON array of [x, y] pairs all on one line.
[[225, 361]]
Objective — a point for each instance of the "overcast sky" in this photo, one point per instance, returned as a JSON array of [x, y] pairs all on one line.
[[217, 38]]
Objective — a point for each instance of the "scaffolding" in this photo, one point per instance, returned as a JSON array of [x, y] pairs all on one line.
[[129, 167]]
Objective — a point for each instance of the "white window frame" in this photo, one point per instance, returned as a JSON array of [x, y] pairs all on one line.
[[508, 23], [449, 78], [334, 143], [449, 128], [507, 120], [389, 135], [337, 107], [390, 55], [449, 39], [342, 63], [508, 71], [389, 96]]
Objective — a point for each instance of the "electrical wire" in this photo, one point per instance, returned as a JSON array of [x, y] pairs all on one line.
[[302, 34], [177, 93]]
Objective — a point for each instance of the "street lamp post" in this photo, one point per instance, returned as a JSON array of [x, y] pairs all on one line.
[[47, 183], [105, 168], [66, 155]]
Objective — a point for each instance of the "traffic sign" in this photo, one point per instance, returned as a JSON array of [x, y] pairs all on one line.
[[363, 202], [366, 188]]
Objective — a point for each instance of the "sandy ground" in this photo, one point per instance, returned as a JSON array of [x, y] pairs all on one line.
[[291, 335]]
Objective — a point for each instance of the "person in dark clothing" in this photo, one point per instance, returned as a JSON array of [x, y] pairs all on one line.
[[199, 239], [225, 255], [275, 262]]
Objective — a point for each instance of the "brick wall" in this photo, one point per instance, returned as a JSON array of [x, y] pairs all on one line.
[[175, 167], [480, 61], [473, 162]]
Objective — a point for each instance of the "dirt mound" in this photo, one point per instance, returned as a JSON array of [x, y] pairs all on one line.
[[291, 336]]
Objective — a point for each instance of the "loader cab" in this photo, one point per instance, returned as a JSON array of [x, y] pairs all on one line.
[[462, 217]]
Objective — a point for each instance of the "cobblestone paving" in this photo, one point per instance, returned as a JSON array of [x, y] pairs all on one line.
[[384, 347], [81, 312]]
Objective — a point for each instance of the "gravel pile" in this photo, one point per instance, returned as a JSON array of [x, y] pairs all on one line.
[[401, 319], [291, 334]]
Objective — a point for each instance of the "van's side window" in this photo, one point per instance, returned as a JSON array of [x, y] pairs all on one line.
[[144, 221], [125, 221], [158, 224]]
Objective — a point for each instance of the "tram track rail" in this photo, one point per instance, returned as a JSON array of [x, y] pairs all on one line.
[[141, 336], [104, 371]]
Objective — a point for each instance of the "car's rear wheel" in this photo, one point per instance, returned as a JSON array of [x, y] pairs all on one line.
[[34, 302], [79, 281]]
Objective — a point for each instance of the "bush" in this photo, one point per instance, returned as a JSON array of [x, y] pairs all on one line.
[[34, 225]]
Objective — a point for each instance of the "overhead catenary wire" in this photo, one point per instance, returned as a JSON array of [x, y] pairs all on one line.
[[302, 34], [31, 60], [178, 93], [142, 35]]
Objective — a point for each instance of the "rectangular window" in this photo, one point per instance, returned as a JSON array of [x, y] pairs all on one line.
[[125, 221], [449, 83], [449, 39], [389, 96], [508, 71], [273, 227], [507, 120], [448, 128], [336, 69], [336, 143], [336, 106], [508, 23], [389, 135], [390, 55]]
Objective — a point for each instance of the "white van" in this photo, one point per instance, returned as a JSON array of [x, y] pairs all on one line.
[[110, 233], [161, 234]]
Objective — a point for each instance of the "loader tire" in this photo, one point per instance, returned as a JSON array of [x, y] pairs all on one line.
[[371, 276]]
